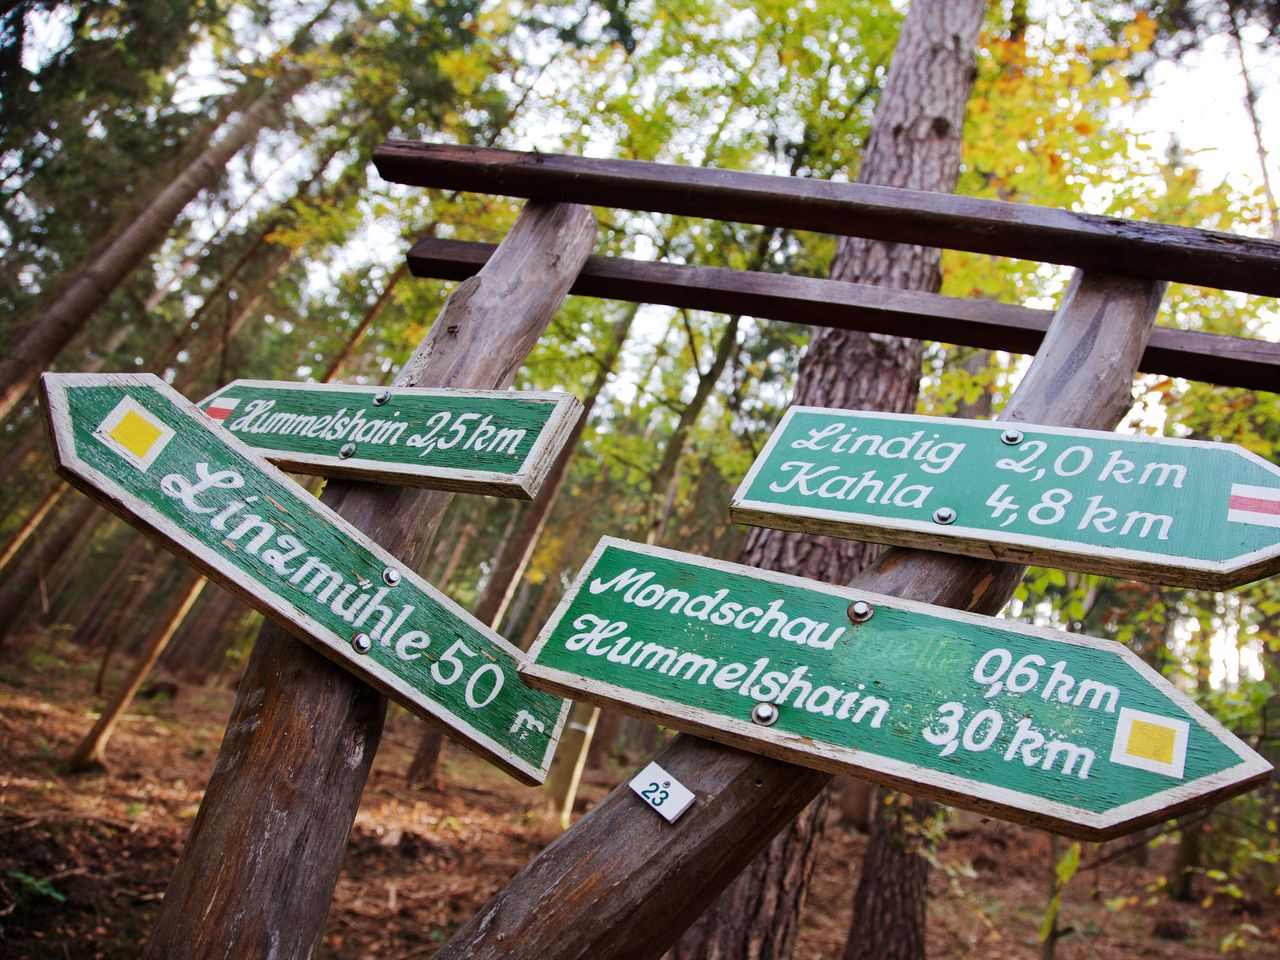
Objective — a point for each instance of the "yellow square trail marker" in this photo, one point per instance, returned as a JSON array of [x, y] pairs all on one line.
[[136, 445]]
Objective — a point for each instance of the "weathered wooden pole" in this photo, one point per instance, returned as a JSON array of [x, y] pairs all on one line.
[[570, 760], [257, 874], [623, 883]]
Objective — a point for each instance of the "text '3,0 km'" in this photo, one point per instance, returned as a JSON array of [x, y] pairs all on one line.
[[1054, 730]]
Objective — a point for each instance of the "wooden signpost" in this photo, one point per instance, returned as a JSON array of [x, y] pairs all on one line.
[[1053, 730], [136, 445], [1182, 512], [473, 441]]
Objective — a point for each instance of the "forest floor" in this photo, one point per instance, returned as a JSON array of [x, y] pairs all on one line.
[[84, 860]]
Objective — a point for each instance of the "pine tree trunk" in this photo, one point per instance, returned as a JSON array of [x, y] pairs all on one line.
[[570, 760], [424, 769], [353, 341], [914, 143], [93, 607], [515, 550], [890, 921], [68, 312], [16, 457], [24, 583], [661, 480], [29, 525], [203, 636]]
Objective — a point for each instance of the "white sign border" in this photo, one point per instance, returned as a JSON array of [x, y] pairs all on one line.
[[959, 791], [75, 470], [1011, 547], [522, 484]]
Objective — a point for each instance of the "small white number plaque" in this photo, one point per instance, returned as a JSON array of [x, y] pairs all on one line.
[[662, 791]]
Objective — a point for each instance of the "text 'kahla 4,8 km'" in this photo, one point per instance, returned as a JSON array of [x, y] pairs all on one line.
[[1181, 512]]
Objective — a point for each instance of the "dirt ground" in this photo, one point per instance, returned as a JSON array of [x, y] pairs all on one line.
[[84, 860]]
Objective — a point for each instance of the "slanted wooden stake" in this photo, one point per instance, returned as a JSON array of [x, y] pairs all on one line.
[[88, 755], [623, 883], [257, 874]]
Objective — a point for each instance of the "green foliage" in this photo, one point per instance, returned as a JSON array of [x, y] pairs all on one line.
[[29, 886]]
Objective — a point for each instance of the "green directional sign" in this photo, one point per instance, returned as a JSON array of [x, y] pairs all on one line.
[[475, 441], [145, 452], [1054, 730], [1182, 512]]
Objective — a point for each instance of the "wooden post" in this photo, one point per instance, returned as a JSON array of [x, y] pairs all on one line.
[[257, 874], [571, 757], [623, 883]]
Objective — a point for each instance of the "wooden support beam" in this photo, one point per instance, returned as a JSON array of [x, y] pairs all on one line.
[[1208, 357], [623, 883], [256, 876], [1155, 251]]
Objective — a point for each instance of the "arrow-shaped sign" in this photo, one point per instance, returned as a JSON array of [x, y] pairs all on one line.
[[151, 456], [1054, 730], [1183, 512], [475, 441]]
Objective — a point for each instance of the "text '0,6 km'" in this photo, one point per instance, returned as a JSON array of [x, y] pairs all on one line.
[[1065, 732], [499, 442], [136, 445], [1182, 512]]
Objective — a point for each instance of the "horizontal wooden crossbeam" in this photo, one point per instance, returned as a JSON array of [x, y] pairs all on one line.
[[1126, 247], [1212, 358]]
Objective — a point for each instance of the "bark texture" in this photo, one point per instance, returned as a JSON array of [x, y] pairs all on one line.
[[914, 143], [257, 873]]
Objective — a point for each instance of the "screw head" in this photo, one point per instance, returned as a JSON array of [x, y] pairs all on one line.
[[944, 515], [390, 577], [765, 714], [361, 643], [1011, 437], [860, 611], [347, 450], [381, 397]]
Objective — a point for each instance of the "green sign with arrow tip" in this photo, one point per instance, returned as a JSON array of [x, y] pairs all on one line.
[[1182, 512], [1054, 730], [474, 441], [145, 452]]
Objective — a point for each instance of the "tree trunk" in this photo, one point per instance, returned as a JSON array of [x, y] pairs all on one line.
[[203, 636], [424, 770], [353, 341], [63, 318], [516, 548], [89, 754], [515, 551], [24, 532], [890, 922], [121, 614], [620, 885], [665, 473], [257, 873], [24, 582], [17, 456], [90, 610], [914, 143]]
